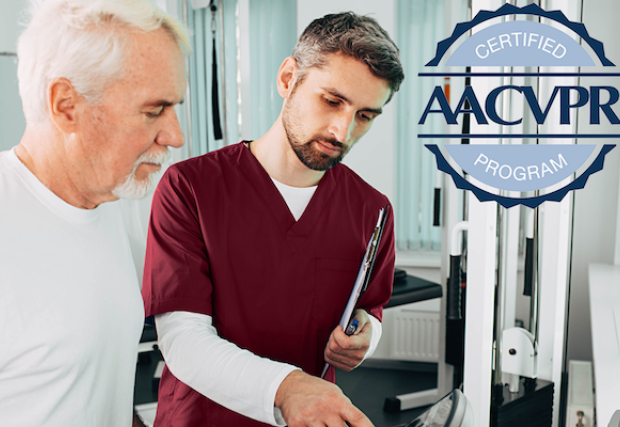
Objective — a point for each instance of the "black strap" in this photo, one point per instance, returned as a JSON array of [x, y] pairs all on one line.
[[215, 103]]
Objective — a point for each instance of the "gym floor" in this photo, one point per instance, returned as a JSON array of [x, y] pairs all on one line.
[[369, 385]]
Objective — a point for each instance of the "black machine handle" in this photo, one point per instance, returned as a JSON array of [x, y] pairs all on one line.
[[529, 267], [453, 301], [437, 207], [215, 102]]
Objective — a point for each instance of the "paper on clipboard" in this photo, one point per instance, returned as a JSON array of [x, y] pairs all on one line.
[[363, 274]]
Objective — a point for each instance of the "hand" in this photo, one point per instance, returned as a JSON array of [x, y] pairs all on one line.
[[347, 352], [307, 401]]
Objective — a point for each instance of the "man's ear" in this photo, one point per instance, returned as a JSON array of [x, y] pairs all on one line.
[[62, 101], [287, 75]]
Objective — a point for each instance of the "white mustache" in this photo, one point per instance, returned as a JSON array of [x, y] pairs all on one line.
[[156, 157]]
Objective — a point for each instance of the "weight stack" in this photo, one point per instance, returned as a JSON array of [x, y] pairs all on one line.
[[532, 406]]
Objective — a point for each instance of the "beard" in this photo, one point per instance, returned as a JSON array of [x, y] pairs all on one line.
[[303, 146], [132, 187]]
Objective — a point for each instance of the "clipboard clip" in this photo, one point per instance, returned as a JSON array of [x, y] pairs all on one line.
[[371, 254]]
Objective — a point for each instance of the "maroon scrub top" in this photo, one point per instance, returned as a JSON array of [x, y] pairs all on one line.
[[222, 242]]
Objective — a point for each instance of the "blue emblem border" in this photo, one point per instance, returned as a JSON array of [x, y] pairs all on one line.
[[530, 9], [508, 202]]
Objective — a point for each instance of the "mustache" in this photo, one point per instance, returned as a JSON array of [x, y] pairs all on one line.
[[329, 140], [156, 157]]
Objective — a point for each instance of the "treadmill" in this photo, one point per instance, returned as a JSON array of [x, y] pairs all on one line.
[[453, 410]]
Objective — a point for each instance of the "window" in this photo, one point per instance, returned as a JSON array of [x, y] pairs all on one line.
[[421, 25]]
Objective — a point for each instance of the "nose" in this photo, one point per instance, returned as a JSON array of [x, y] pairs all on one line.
[[170, 134], [342, 125]]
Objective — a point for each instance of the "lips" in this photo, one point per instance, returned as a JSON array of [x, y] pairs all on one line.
[[327, 148]]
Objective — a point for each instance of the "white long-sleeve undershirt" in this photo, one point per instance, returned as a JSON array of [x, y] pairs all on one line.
[[218, 369]]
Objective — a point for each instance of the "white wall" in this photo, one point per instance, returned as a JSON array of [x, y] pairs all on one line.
[[373, 157], [9, 28], [595, 211], [12, 122]]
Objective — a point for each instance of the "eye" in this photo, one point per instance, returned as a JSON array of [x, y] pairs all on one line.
[[366, 117], [331, 102], [154, 114]]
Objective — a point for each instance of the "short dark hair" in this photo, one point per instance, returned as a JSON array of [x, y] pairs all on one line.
[[359, 37]]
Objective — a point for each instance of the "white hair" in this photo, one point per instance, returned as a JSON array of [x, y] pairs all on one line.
[[83, 41]]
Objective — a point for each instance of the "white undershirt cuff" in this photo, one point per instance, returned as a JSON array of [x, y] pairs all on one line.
[[218, 369], [375, 336]]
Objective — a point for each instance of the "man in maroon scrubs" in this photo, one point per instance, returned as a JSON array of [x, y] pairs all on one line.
[[253, 249]]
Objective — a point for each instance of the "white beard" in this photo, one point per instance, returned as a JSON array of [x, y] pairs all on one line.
[[133, 189]]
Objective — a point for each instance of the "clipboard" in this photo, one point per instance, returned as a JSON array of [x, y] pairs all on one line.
[[363, 275]]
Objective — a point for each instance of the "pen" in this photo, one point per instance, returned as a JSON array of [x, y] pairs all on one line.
[[352, 327]]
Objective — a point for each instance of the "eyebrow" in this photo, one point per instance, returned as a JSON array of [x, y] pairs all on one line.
[[337, 94], [162, 103]]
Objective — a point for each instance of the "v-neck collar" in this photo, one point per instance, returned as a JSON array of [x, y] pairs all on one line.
[[295, 231]]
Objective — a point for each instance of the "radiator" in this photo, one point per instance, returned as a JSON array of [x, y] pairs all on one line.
[[415, 336]]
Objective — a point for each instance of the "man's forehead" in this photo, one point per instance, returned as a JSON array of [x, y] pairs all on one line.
[[351, 80], [155, 72], [149, 53], [150, 90]]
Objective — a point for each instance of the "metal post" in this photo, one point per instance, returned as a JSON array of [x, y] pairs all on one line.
[[223, 75], [500, 296], [535, 281], [188, 100]]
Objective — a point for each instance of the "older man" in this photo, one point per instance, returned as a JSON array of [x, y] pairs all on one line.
[[253, 249], [98, 81]]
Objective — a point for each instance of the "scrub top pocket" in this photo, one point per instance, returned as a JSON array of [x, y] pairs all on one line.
[[334, 281]]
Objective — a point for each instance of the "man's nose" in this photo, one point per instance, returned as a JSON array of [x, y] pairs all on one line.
[[171, 133], [342, 125]]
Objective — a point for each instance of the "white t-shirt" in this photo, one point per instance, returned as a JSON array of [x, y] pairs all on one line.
[[297, 198], [71, 313]]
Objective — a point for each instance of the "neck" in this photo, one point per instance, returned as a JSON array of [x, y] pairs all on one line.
[[274, 153], [43, 150]]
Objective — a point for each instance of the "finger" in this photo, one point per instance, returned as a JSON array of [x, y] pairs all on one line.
[[351, 342], [365, 330], [345, 362], [362, 317], [356, 418], [336, 351], [335, 421], [360, 340], [340, 339], [346, 366]]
